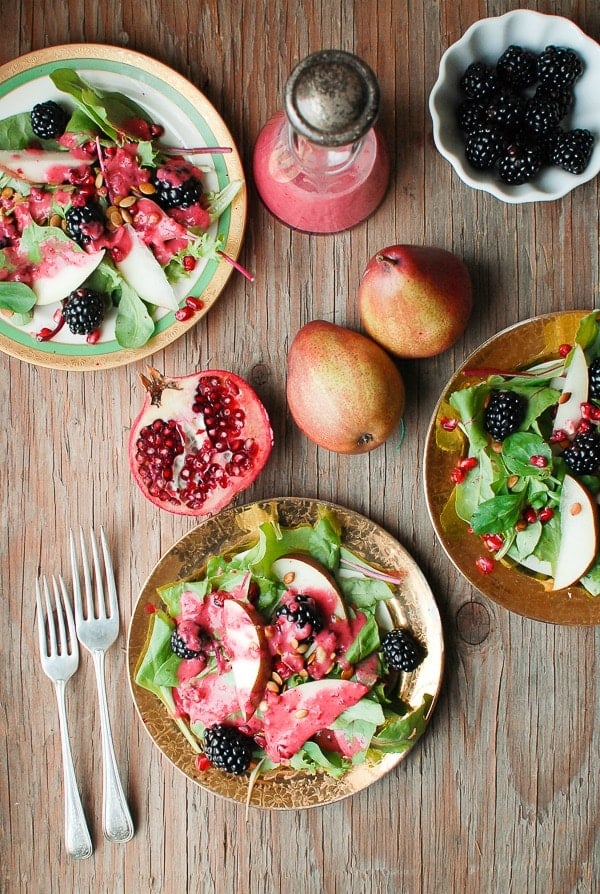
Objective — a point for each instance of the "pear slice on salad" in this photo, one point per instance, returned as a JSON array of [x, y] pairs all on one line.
[[574, 393], [70, 268], [578, 533], [304, 575], [140, 269], [41, 165]]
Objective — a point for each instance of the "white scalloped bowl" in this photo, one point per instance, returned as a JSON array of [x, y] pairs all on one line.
[[486, 40]]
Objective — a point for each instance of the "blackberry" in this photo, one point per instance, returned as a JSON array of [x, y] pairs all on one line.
[[594, 379], [83, 311], [79, 218], [519, 164], [182, 196], [228, 749], [517, 67], [541, 115], [546, 143], [559, 67], [182, 640], [506, 109], [401, 650], [305, 614], [583, 456], [483, 147], [504, 414], [470, 115], [48, 120], [573, 150], [563, 97], [479, 81]]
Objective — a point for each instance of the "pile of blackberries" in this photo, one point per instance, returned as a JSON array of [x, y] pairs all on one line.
[[513, 114]]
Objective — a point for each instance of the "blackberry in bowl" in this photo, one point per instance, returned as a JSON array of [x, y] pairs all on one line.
[[546, 72]]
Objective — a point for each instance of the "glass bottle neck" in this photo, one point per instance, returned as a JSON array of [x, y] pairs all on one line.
[[321, 159]]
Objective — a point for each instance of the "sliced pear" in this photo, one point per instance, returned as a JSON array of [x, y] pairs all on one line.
[[245, 641], [140, 269], [574, 393], [39, 165], [578, 533], [302, 574], [62, 271]]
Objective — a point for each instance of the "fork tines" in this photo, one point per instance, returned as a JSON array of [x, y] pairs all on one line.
[[65, 644]]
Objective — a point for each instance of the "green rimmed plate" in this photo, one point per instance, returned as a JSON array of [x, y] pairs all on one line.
[[189, 119]]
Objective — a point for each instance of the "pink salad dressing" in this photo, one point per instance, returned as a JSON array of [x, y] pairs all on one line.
[[312, 200], [215, 697]]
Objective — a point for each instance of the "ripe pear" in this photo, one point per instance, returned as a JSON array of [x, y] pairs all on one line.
[[343, 390], [415, 300]]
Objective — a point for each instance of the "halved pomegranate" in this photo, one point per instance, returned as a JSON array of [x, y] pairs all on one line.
[[198, 440]]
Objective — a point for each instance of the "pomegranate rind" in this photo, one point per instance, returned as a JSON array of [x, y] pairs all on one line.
[[213, 487]]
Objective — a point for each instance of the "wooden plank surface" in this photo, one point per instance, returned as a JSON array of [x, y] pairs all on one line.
[[502, 793]]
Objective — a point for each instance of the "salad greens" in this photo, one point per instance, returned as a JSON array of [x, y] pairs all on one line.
[[380, 719], [523, 479], [107, 120]]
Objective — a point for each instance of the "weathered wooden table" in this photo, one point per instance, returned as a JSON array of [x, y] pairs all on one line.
[[501, 794]]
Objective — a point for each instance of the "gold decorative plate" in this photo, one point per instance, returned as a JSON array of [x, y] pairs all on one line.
[[233, 529], [517, 590], [189, 120]]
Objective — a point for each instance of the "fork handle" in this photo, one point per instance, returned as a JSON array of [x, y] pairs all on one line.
[[77, 836], [117, 823]]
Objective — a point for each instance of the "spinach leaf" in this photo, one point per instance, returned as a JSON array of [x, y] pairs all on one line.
[[134, 325], [519, 448], [498, 514], [108, 110], [16, 296], [399, 733], [365, 643]]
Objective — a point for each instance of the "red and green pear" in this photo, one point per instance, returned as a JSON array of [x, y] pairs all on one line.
[[415, 300]]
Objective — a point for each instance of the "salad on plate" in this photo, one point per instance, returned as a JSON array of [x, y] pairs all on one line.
[[101, 225], [284, 655], [527, 480]]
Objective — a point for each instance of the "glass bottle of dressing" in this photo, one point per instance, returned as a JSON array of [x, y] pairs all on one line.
[[321, 165]]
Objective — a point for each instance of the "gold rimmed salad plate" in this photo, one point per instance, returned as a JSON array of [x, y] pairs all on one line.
[[189, 120], [516, 348], [235, 529]]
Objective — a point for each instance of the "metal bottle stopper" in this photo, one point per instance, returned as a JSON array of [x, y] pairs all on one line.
[[332, 98]]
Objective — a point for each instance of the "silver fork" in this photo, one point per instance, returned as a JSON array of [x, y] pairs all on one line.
[[97, 630], [60, 658]]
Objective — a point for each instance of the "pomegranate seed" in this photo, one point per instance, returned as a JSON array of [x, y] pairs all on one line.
[[457, 476], [558, 437], [564, 350], [184, 313], [546, 514], [46, 334], [485, 564], [493, 542], [540, 462], [468, 463], [530, 515], [590, 412], [189, 262], [202, 763], [194, 303], [583, 427], [448, 424], [93, 337], [150, 609], [156, 130]]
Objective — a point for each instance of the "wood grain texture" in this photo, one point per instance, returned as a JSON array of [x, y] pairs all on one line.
[[502, 793]]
